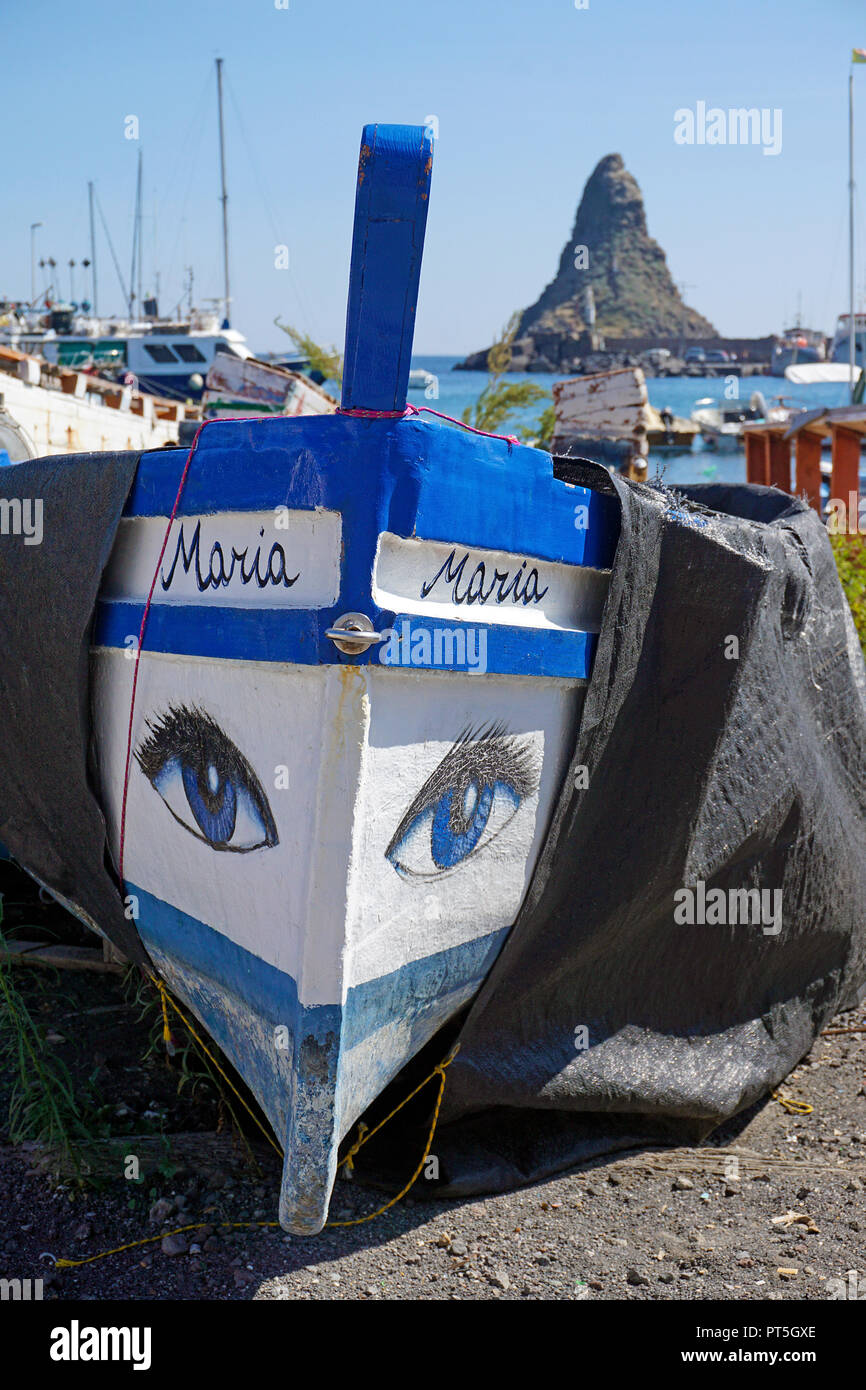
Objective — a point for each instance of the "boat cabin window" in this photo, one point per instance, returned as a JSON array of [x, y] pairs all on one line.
[[159, 353], [188, 353], [222, 346]]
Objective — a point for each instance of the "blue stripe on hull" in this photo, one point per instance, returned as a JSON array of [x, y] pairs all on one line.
[[297, 636], [410, 477], [243, 1001]]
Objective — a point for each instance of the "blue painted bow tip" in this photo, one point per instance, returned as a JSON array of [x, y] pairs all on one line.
[[393, 194]]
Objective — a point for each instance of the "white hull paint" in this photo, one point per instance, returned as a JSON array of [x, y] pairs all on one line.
[[610, 405], [54, 422]]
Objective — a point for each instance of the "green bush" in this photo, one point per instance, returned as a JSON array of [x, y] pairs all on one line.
[[850, 552]]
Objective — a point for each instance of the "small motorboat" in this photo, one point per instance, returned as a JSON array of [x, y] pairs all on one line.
[[420, 379], [358, 690], [721, 421]]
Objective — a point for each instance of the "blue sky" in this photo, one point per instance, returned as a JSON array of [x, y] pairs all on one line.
[[529, 95]]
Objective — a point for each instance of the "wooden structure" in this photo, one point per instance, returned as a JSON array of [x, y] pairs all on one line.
[[768, 452]]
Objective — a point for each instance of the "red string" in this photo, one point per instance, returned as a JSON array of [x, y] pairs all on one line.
[[416, 410], [251, 419], [372, 414], [410, 410]]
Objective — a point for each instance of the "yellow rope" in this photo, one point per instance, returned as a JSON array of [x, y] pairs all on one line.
[[364, 1135], [148, 1240], [793, 1107], [166, 997], [166, 1029]]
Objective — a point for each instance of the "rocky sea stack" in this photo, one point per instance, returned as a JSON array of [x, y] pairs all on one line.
[[610, 254]]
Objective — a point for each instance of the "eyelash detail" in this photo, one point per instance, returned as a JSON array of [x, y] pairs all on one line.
[[485, 767], [187, 753]]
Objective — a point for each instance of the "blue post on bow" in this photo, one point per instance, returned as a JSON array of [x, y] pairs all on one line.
[[391, 203]]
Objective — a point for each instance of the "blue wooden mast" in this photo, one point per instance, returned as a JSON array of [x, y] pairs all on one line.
[[391, 203]]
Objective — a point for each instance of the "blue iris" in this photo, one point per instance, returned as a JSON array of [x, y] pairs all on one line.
[[213, 801], [449, 846], [466, 802]]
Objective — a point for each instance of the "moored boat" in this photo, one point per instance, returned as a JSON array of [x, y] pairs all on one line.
[[46, 409], [721, 422], [364, 640], [247, 386]]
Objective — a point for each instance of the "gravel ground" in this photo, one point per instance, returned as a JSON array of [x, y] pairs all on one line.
[[782, 1222]]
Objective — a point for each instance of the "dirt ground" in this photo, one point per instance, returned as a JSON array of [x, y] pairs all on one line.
[[771, 1207]]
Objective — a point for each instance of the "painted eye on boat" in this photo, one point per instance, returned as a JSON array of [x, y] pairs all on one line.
[[206, 782], [475, 792]]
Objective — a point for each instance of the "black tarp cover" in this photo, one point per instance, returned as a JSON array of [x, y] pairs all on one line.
[[735, 771], [49, 818]]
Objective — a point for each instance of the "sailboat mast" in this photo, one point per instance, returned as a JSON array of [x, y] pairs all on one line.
[[92, 246], [225, 196], [140, 231], [851, 340], [136, 235]]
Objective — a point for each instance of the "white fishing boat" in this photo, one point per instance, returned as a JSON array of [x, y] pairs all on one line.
[[797, 346], [607, 416], [840, 347], [330, 767], [49, 410], [170, 358]]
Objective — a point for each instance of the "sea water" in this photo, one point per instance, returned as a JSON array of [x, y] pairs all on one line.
[[457, 390]]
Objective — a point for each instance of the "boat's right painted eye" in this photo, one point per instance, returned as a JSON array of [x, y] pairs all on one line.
[[474, 793]]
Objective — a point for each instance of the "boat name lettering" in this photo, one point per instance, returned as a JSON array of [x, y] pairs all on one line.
[[521, 587], [221, 571]]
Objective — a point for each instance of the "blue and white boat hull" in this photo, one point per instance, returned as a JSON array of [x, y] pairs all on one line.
[[297, 861], [324, 848]]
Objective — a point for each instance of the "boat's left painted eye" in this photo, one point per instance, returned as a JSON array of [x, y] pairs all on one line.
[[471, 797], [206, 782]]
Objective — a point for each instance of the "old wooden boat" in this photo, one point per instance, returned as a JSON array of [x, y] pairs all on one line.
[[607, 416], [243, 386], [357, 693], [49, 409]]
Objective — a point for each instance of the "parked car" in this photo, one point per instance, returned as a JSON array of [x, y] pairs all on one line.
[[718, 356], [655, 357], [695, 354]]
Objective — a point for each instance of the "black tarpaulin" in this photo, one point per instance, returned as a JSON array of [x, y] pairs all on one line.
[[50, 820], [605, 1023]]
